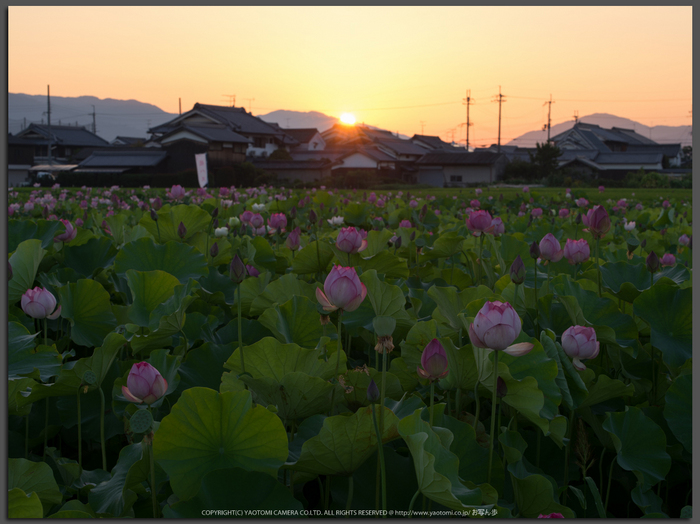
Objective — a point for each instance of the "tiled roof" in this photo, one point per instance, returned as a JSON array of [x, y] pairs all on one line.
[[402, 147], [136, 158], [238, 118], [434, 142], [302, 135], [71, 136], [669, 150], [215, 133], [629, 158]]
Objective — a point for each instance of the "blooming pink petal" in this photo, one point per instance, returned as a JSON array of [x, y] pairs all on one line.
[[129, 396]]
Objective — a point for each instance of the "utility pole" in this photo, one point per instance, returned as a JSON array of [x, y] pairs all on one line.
[[231, 99], [250, 105], [548, 125], [576, 117], [500, 100], [48, 113], [179, 102], [94, 120], [422, 126], [467, 102]]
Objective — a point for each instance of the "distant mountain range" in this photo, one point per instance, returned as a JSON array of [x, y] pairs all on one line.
[[133, 119]]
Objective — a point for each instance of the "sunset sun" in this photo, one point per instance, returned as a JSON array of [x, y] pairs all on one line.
[[347, 118]]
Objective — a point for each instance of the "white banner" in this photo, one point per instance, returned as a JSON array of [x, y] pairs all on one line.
[[201, 161]]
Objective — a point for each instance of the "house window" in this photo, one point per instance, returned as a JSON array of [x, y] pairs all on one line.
[[455, 178]]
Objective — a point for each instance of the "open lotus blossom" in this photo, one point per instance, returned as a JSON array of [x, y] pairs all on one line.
[[684, 240], [579, 342], [537, 212], [497, 227], [144, 384], [350, 241], [668, 260], [577, 251], [40, 303], [629, 226], [69, 234], [563, 212], [405, 223], [550, 249], [277, 220], [176, 192], [495, 327], [477, 191], [433, 362], [341, 290], [246, 216], [479, 221], [336, 221], [597, 221]]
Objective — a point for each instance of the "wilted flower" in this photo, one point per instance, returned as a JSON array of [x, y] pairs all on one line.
[[40, 303], [433, 361], [69, 234], [144, 384], [341, 290], [668, 260], [579, 342], [495, 327], [479, 221], [350, 241], [550, 249], [517, 271], [577, 251]]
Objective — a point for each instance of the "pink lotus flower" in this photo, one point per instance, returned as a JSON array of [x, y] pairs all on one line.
[[350, 240], [277, 220], [144, 384], [598, 221], [563, 213], [579, 342], [497, 227], [433, 362], [526, 189], [372, 198], [413, 204], [257, 221], [577, 251], [293, 239], [479, 221], [475, 204], [537, 212], [495, 327], [601, 189], [581, 202], [177, 192], [405, 223], [668, 260], [341, 290], [40, 303], [246, 216], [477, 191], [550, 249], [380, 203], [639, 207], [551, 516], [252, 271], [684, 240], [69, 234], [665, 204]]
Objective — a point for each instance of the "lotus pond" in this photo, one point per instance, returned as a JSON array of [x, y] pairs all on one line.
[[266, 352]]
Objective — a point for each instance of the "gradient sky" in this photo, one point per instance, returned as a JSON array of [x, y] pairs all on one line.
[[404, 69]]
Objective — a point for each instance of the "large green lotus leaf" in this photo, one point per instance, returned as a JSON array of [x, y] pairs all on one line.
[[34, 477], [604, 389], [344, 443], [446, 245], [407, 376], [296, 395], [112, 497], [85, 259], [223, 257], [577, 386], [376, 242], [272, 359], [23, 506], [180, 260], [42, 362], [17, 403], [640, 445], [668, 310], [171, 312], [437, 468], [295, 321], [264, 256], [280, 291], [87, 305], [417, 338], [253, 491], [149, 289], [206, 431], [473, 457], [451, 302], [677, 274], [117, 226], [308, 261], [25, 263], [550, 348], [387, 300], [19, 230], [625, 280], [203, 366], [356, 214], [214, 283], [463, 372], [648, 501], [678, 410], [385, 263], [252, 330], [511, 247], [193, 217], [359, 379]]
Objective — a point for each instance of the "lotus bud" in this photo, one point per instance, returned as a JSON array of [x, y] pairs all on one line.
[[237, 270], [398, 242], [413, 236], [534, 250], [252, 270], [372, 391], [653, 262], [293, 212], [144, 384], [342, 289], [668, 260], [312, 217], [579, 342], [501, 388], [550, 249], [578, 218], [40, 303], [181, 230], [214, 251], [154, 215], [215, 213], [644, 243], [517, 271], [433, 362]]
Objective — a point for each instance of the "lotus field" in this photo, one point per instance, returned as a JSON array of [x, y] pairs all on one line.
[[330, 353]]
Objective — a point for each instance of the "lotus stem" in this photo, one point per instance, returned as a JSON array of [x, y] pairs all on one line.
[[240, 331], [432, 400], [80, 434], [537, 309], [549, 263], [539, 443], [350, 490], [607, 493], [327, 496], [480, 262], [478, 405], [381, 457], [597, 266], [494, 401], [152, 462], [102, 428], [46, 428], [383, 390], [337, 360], [46, 331], [26, 438], [567, 451], [458, 398], [413, 501]]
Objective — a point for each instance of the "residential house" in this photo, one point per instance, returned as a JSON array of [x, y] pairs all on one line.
[[129, 141], [434, 143], [134, 160], [449, 169], [309, 139], [66, 142], [297, 171]]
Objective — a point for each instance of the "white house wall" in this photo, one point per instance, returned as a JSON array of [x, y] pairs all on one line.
[[261, 151], [357, 161]]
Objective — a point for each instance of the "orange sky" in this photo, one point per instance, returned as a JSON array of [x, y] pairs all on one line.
[[404, 69]]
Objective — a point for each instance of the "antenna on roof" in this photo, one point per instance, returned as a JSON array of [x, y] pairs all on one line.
[[231, 99], [250, 106]]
